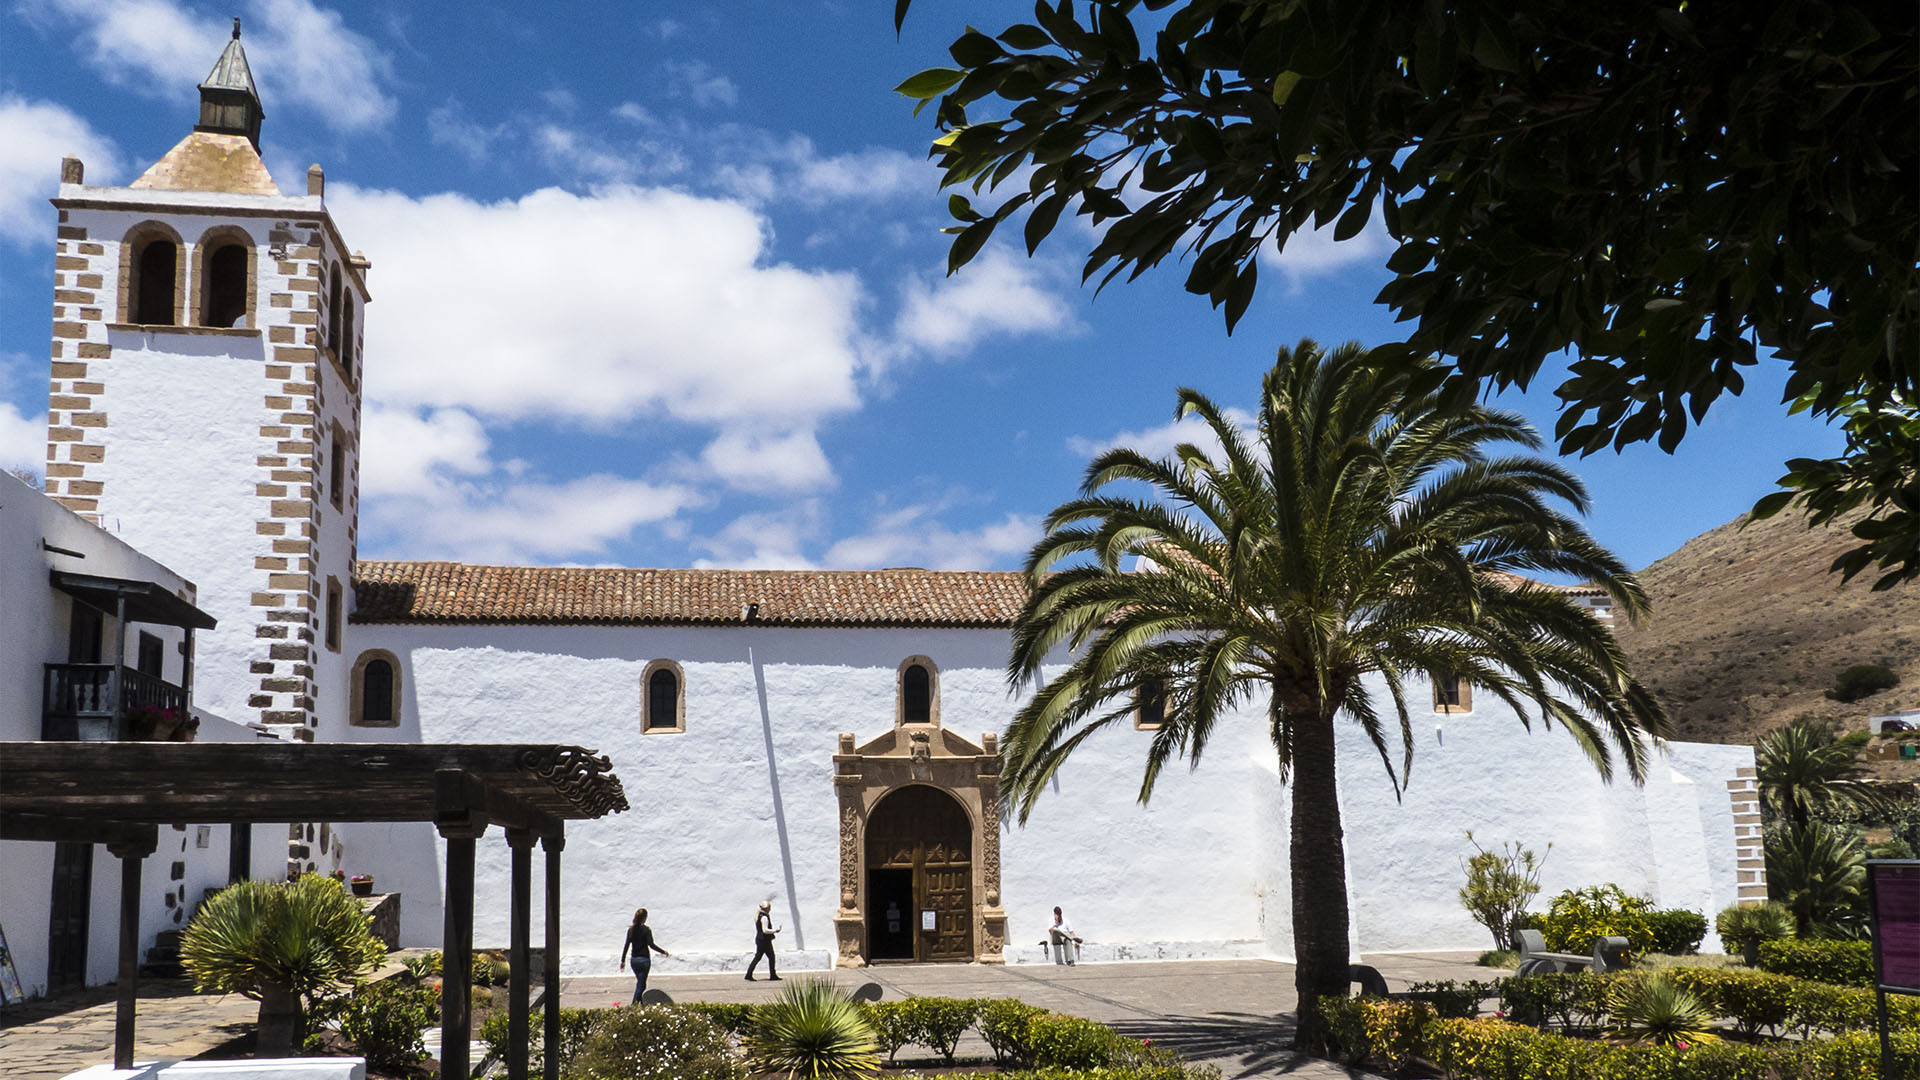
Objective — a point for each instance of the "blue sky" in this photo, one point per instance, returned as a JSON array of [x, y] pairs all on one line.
[[662, 284]]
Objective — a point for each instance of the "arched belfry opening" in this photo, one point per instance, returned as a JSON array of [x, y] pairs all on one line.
[[919, 849], [919, 877]]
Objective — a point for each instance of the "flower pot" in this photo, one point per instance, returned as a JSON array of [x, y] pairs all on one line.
[[362, 886]]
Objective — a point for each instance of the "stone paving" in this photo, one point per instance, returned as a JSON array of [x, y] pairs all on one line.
[[1228, 1012]]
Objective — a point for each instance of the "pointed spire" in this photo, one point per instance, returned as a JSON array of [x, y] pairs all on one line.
[[229, 101]]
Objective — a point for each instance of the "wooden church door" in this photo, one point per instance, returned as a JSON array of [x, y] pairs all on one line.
[[924, 832]]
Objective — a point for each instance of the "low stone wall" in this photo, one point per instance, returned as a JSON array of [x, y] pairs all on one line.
[[385, 909]]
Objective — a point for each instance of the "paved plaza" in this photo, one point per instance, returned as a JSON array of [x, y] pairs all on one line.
[[1233, 1013]]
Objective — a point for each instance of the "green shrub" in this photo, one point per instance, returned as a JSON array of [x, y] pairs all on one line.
[[1575, 998], [1847, 963], [1497, 1050], [490, 969], [1346, 1019], [892, 1026], [1745, 927], [1003, 1022], [939, 1022], [575, 1026], [1450, 998], [1676, 930], [734, 1019], [1751, 999], [1820, 873], [1499, 886], [1815, 1006], [1856, 1056], [655, 1042], [1579, 917], [814, 1030], [1862, 680], [1658, 1010], [423, 966], [386, 1020]]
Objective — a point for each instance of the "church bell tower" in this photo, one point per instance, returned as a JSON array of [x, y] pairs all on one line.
[[205, 402]]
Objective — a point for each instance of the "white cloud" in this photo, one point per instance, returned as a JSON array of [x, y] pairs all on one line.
[[767, 540], [611, 307], [409, 452], [1158, 442], [756, 166], [34, 136], [301, 54], [699, 83], [518, 523], [997, 293], [914, 536], [1315, 253], [23, 439], [449, 126]]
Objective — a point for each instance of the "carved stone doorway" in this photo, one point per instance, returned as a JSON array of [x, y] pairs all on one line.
[[919, 833], [919, 865]]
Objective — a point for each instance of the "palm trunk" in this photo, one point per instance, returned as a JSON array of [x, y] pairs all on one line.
[[280, 1021], [1318, 863]]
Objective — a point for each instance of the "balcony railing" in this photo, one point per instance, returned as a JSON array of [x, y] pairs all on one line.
[[90, 700]]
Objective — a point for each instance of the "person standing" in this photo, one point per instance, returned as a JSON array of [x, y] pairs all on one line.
[[640, 940], [1066, 943], [763, 931]]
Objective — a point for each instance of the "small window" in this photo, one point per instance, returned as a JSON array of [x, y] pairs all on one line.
[[663, 700], [333, 613], [151, 655], [225, 287], [333, 312], [1150, 706], [154, 270], [917, 692], [1452, 694], [346, 337], [376, 686], [337, 468]]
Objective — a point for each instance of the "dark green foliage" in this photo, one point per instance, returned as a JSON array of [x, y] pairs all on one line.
[[1575, 999], [1003, 1023], [1358, 537], [1751, 999], [732, 1018], [1844, 963], [938, 1022], [1496, 1050], [1862, 680], [1656, 1009], [1819, 872], [1669, 192], [1457, 999], [1578, 918], [892, 1026], [655, 1042], [1676, 931], [386, 1020], [812, 1030], [1743, 928], [1807, 773]]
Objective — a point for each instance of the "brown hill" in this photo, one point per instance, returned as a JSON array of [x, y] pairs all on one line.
[[1748, 630]]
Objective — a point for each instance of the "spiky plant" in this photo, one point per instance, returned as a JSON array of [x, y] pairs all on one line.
[[280, 943], [813, 1031], [1747, 926], [1657, 1010]]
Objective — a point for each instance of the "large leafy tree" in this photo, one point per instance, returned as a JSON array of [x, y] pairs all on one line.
[[1359, 538], [1669, 191]]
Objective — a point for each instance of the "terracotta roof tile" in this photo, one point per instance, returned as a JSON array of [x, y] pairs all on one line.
[[446, 592]]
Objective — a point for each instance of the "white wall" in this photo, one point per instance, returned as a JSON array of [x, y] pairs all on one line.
[[1202, 871]]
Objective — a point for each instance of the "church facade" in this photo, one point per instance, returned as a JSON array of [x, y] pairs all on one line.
[[822, 740]]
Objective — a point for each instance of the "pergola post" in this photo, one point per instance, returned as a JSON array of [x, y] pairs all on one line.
[[519, 980], [456, 950], [130, 853], [554, 845]]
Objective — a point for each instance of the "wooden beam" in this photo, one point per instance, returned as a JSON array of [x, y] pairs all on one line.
[[130, 856], [553, 845], [53, 830], [519, 979], [456, 970]]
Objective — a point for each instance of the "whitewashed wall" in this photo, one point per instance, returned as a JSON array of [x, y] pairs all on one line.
[[741, 807], [34, 619]]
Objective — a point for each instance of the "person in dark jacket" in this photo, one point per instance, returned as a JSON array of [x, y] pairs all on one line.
[[763, 931], [640, 940]]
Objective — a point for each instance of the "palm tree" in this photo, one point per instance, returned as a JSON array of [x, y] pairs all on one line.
[[1805, 771], [1358, 536], [1820, 873], [281, 943]]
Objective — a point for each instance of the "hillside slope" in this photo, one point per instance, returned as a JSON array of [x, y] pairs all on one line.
[[1748, 630]]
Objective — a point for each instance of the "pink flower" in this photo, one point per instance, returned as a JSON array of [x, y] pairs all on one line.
[[1681, 1045]]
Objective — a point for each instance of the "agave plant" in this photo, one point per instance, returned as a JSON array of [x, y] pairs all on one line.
[[815, 1031], [1657, 1010], [281, 943]]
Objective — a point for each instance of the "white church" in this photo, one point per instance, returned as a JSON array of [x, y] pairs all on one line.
[[823, 740]]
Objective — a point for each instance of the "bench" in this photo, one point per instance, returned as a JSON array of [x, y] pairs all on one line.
[[1609, 954]]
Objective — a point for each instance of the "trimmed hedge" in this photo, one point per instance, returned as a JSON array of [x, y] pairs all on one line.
[[1498, 1050], [1676, 930], [1846, 963]]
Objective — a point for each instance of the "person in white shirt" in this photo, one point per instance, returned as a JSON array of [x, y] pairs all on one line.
[[1066, 943]]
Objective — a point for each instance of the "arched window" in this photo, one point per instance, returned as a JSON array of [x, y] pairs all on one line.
[[333, 311], [376, 690], [155, 267], [223, 286], [919, 692], [346, 337], [663, 699], [1150, 706]]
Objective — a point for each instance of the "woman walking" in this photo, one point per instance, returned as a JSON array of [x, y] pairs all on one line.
[[763, 931], [640, 940]]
